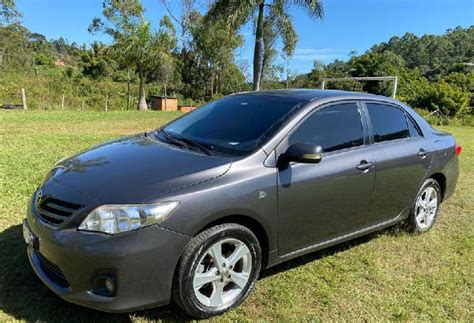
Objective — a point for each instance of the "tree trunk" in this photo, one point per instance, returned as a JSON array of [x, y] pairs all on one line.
[[128, 89], [258, 51], [142, 106], [212, 85], [166, 98], [264, 63]]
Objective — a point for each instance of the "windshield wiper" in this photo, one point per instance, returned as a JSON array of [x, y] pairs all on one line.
[[173, 140], [187, 142], [191, 142]]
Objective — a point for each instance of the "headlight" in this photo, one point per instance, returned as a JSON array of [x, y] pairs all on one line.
[[121, 218], [60, 161]]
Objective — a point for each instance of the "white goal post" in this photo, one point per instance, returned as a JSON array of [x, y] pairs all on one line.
[[394, 79]]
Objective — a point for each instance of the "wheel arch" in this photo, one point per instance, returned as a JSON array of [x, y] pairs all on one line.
[[252, 224], [441, 179]]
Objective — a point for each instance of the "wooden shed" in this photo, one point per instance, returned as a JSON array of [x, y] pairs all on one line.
[[162, 103], [186, 108]]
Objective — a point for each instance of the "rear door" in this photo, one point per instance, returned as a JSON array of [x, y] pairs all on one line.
[[402, 159]]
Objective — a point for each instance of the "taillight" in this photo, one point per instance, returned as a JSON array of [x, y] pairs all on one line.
[[458, 149]]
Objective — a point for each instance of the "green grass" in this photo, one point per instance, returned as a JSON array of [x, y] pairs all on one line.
[[386, 276]]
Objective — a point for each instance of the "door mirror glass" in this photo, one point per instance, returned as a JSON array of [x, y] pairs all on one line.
[[303, 153]]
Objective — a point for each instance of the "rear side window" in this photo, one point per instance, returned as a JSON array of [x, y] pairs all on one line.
[[333, 128], [414, 130], [388, 122]]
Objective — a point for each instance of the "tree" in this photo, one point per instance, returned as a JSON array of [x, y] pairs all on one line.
[[183, 20], [141, 47], [8, 12], [236, 13], [214, 44], [166, 64], [94, 62], [134, 41], [15, 46]]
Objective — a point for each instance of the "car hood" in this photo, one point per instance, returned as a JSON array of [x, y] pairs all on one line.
[[135, 169]]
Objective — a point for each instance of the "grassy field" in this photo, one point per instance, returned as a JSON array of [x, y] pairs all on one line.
[[386, 276]]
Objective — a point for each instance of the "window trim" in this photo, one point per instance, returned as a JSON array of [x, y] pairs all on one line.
[[417, 127], [363, 121], [371, 126]]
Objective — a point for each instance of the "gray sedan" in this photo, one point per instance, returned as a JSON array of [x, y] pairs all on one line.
[[195, 210]]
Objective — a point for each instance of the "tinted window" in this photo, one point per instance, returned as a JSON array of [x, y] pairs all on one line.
[[238, 124], [333, 128], [413, 128], [388, 122]]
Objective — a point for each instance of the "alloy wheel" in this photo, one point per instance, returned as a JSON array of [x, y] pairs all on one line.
[[426, 208], [222, 273]]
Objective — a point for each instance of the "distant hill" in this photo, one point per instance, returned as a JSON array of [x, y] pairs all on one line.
[[435, 72], [434, 56]]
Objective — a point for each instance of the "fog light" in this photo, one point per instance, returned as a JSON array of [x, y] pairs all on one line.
[[110, 286], [105, 284]]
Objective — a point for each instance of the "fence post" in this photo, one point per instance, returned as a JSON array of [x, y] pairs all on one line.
[[106, 102], [23, 99], [82, 105], [62, 102]]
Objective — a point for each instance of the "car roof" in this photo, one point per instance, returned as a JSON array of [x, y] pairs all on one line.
[[312, 94]]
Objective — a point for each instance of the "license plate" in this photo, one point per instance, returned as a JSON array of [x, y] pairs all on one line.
[[30, 239]]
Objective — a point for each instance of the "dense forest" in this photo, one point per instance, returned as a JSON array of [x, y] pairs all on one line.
[[194, 58]]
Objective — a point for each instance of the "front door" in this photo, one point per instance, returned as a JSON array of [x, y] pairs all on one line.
[[318, 202]]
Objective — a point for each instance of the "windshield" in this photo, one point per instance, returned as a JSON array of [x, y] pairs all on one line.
[[235, 125]]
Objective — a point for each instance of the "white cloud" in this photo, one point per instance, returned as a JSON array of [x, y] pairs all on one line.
[[323, 54]]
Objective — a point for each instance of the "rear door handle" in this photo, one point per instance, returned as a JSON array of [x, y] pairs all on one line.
[[422, 153], [365, 165]]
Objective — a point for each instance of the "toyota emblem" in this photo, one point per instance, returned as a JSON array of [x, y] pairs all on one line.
[[39, 195]]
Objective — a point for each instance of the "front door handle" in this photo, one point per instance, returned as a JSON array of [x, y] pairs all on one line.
[[422, 153], [365, 165]]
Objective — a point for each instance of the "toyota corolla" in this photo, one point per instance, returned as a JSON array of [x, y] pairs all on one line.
[[195, 210]]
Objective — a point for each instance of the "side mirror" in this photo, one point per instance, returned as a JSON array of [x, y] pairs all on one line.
[[303, 153]]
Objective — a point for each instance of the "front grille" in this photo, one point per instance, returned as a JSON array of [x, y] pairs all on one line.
[[56, 211], [52, 271]]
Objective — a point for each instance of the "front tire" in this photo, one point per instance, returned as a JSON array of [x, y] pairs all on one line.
[[217, 271], [426, 207]]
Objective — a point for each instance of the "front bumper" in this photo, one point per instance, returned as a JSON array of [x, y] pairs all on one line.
[[143, 262]]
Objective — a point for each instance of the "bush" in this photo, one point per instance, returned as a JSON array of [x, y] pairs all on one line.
[[437, 119], [449, 99], [44, 59]]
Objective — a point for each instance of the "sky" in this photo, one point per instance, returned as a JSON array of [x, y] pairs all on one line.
[[348, 25]]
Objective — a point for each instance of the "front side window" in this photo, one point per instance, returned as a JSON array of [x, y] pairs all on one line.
[[333, 128], [388, 122], [235, 125]]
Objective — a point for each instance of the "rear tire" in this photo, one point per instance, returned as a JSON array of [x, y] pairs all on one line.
[[217, 271], [425, 210]]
